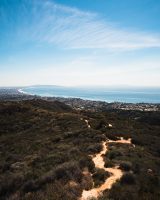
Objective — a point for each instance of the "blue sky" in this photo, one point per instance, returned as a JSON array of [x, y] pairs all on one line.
[[76, 42]]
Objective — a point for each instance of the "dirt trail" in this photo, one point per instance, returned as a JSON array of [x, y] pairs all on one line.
[[116, 173], [87, 122]]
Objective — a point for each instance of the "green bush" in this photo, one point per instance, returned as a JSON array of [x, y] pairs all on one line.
[[68, 171], [100, 177], [113, 154], [126, 166], [136, 168], [55, 191], [87, 162], [30, 186], [108, 163], [111, 136], [94, 148], [128, 179]]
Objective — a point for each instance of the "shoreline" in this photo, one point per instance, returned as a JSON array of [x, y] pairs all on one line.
[[17, 94], [84, 99], [21, 91], [66, 97], [93, 105]]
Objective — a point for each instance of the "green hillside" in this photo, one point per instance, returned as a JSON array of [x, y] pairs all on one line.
[[45, 148]]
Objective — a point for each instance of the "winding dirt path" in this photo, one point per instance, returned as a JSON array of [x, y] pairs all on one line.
[[116, 173]]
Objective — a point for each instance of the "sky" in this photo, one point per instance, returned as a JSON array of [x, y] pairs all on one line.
[[80, 42]]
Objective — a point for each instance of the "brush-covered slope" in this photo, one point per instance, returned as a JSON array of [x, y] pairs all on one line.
[[45, 150]]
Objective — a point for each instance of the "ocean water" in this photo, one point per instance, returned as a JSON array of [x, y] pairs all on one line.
[[126, 95]]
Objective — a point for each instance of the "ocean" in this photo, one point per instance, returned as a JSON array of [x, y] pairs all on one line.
[[126, 95]]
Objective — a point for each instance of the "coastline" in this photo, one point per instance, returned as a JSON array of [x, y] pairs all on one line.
[[17, 94], [65, 97], [95, 105], [128, 99], [21, 91]]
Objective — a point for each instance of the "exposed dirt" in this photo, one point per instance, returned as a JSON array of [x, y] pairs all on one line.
[[87, 122], [116, 173]]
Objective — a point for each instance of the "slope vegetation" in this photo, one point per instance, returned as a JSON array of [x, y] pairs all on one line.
[[49, 151]]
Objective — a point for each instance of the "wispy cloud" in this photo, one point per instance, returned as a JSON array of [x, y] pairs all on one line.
[[66, 27]]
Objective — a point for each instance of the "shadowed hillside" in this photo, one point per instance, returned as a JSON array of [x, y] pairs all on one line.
[[45, 150]]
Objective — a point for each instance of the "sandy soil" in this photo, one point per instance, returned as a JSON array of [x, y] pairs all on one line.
[[87, 122], [116, 173]]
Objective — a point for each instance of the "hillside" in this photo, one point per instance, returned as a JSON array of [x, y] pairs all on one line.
[[47, 151]]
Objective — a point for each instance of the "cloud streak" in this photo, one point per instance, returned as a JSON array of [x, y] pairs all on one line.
[[65, 27]]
